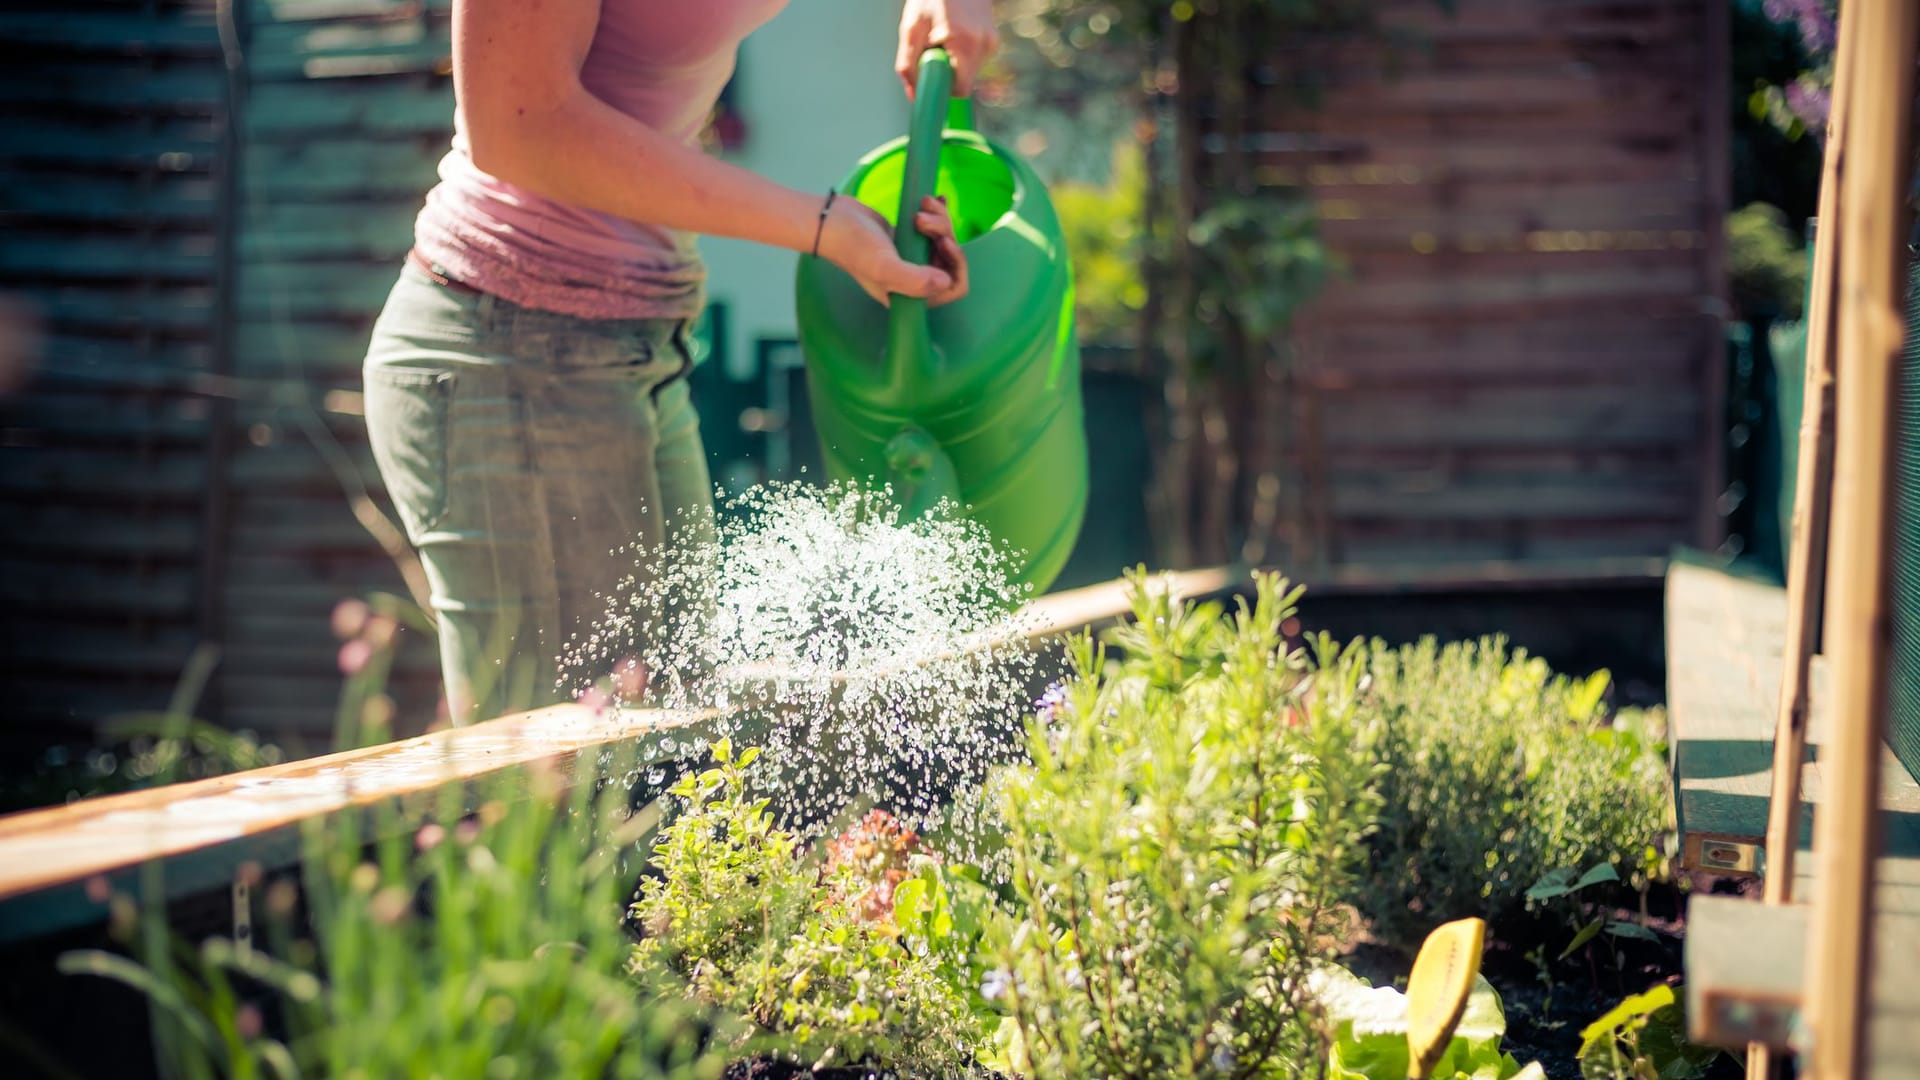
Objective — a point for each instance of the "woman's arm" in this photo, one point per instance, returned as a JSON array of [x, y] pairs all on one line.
[[529, 121]]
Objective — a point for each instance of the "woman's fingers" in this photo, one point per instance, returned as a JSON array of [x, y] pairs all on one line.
[[860, 241], [937, 224], [905, 279], [964, 27]]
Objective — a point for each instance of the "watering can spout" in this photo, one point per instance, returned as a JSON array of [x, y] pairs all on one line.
[[920, 472]]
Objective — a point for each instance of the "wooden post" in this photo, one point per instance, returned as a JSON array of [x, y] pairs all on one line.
[[1812, 503], [1871, 247], [1813, 488]]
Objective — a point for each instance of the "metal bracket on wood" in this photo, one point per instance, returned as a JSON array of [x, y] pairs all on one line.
[[243, 907], [1725, 855]]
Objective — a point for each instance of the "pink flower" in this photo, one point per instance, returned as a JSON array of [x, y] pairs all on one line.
[[354, 656], [595, 698], [349, 617], [630, 679]]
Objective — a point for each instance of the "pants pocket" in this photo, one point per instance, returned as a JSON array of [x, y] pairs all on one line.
[[407, 425]]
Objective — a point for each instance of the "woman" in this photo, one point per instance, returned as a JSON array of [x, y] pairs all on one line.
[[524, 389]]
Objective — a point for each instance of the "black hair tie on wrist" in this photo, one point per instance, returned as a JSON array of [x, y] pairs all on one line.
[[821, 227]]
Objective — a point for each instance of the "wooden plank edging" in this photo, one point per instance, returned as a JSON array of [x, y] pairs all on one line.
[[53, 861]]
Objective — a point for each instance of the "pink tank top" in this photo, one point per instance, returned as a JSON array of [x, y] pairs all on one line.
[[662, 62]]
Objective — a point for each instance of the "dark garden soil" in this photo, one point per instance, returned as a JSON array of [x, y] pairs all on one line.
[[1547, 1007], [765, 1069]]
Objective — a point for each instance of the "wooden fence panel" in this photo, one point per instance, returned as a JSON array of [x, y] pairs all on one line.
[[1519, 361], [108, 229], [155, 447], [349, 108]]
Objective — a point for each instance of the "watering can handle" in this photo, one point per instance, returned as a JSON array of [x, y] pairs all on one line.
[[910, 352], [924, 137]]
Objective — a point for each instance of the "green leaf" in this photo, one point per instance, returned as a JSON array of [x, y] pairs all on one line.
[[1598, 874], [1636, 1007], [1585, 700], [1632, 930], [1554, 883], [1587, 933], [164, 994], [910, 903]]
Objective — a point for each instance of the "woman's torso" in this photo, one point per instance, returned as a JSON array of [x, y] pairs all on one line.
[[662, 62]]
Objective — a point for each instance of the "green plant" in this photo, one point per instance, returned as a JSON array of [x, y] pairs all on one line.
[[1102, 228], [1766, 264], [1643, 1038], [824, 971], [1566, 884], [485, 941], [1180, 845], [1498, 772], [1369, 1032]]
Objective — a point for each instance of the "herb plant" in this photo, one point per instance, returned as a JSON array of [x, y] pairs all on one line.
[[1181, 844], [477, 936], [1497, 773], [836, 965]]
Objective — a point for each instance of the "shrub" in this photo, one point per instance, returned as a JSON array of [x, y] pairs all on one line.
[[1498, 773], [1180, 845], [813, 956]]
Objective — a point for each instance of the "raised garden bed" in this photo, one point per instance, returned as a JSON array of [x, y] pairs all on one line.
[[1211, 781]]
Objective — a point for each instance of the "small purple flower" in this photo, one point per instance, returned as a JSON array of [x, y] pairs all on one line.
[[1050, 703], [1810, 17], [1810, 104], [996, 984]]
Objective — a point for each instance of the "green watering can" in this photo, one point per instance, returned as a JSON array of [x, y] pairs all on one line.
[[977, 401]]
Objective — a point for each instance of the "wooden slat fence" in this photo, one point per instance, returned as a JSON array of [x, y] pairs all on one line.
[[349, 107], [171, 475], [1519, 368], [109, 233], [1521, 361]]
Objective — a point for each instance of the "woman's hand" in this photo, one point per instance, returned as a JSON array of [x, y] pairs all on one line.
[[858, 240], [963, 27]]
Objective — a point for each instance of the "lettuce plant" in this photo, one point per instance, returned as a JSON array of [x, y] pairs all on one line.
[[1181, 846], [1369, 1033]]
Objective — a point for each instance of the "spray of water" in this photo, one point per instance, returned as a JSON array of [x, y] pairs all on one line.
[[879, 661]]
